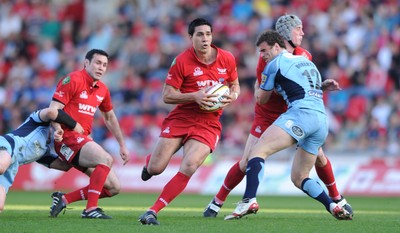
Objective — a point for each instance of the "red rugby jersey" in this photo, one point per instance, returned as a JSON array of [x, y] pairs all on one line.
[[188, 74], [81, 98]]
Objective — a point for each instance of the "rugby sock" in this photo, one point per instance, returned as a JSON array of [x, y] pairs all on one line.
[[81, 194], [314, 190], [254, 173], [325, 173], [147, 160], [96, 183], [171, 190], [232, 179]]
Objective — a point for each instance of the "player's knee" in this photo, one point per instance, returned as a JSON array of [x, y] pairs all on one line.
[[297, 180], [107, 160], [154, 170]]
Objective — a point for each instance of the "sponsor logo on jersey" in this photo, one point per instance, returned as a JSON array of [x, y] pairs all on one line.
[[166, 130], [258, 129], [66, 80], [99, 98], [79, 139], [207, 83], [221, 70], [197, 71], [83, 95], [87, 109], [169, 76], [315, 93], [59, 93]]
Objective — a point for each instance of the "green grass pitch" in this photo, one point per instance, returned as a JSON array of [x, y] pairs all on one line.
[[28, 212]]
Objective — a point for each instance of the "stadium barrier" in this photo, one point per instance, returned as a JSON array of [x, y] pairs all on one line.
[[366, 176]]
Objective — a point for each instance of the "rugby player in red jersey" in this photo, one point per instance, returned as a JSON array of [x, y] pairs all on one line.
[[80, 94], [188, 126], [291, 29]]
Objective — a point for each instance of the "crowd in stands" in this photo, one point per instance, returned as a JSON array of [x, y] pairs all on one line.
[[356, 42]]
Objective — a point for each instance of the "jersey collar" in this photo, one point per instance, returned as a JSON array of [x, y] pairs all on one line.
[[89, 80]]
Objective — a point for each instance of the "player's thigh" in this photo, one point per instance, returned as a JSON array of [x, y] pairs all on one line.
[[2, 198], [194, 154], [251, 141], [92, 154], [162, 153], [274, 139], [302, 164], [5, 161]]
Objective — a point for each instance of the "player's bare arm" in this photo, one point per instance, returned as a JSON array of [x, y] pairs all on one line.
[[172, 95], [112, 124], [262, 96]]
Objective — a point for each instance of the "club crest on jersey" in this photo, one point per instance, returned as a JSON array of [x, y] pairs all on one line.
[[197, 71], [99, 98], [66, 80], [221, 70], [83, 95]]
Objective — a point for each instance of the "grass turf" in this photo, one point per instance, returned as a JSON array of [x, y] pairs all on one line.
[[28, 212]]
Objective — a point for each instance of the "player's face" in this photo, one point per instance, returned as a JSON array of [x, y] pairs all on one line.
[[297, 35], [97, 67], [267, 52], [202, 38]]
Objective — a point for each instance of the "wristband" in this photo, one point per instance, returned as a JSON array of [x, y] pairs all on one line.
[[64, 118]]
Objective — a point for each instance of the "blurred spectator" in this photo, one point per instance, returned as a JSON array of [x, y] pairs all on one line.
[[356, 43]]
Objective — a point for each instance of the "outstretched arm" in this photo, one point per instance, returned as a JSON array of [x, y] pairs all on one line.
[[111, 121]]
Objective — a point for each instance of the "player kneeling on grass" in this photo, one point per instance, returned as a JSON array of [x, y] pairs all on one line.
[[30, 142]]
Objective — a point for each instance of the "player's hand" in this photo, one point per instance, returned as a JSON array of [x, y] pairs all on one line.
[[78, 128], [124, 153], [330, 85], [204, 99], [58, 134]]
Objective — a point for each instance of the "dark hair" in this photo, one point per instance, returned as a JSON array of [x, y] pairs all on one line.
[[271, 37], [91, 53], [197, 22]]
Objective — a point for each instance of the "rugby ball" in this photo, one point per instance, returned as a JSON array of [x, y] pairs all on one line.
[[219, 89]]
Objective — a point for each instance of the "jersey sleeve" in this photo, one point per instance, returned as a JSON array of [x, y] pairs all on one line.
[[268, 76], [175, 74], [260, 68], [106, 104], [303, 52], [65, 90], [232, 68]]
